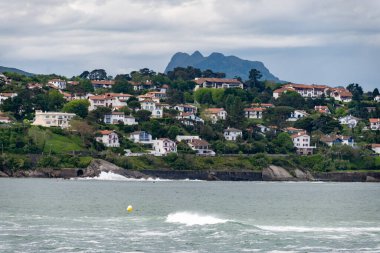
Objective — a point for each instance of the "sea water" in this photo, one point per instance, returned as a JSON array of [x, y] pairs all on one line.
[[54, 215]]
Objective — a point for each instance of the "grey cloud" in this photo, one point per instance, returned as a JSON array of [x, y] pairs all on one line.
[[120, 35]]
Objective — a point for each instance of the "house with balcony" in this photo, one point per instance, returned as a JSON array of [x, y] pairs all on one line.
[[254, 113], [218, 83], [231, 134], [164, 146], [297, 114], [215, 114], [119, 118], [53, 119], [202, 147], [301, 141], [306, 91], [150, 105], [189, 119], [374, 123], [111, 100], [108, 138], [141, 137]]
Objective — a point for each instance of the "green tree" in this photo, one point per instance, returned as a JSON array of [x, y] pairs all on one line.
[[98, 74], [292, 99], [356, 90], [284, 143], [375, 92], [122, 86], [79, 107], [142, 115]]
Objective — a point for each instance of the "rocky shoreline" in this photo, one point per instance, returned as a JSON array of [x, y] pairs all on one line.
[[271, 173]]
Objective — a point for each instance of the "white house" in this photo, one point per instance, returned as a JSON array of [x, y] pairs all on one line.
[[254, 113], [186, 108], [5, 119], [332, 140], [217, 83], [322, 109], [377, 99], [301, 141], [374, 123], [189, 118], [164, 146], [341, 94], [297, 114], [57, 83], [215, 114], [306, 91], [49, 119], [150, 105], [231, 134], [108, 138], [104, 84], [262, 128], [112, 100], [349, 120], [141, 137], [6, 95], [376, 148], [117, 117], [202, 147], [186, 138]]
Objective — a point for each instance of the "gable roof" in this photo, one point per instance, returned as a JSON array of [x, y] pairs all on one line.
[[216, 80]]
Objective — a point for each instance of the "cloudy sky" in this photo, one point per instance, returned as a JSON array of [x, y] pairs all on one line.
[[334, 42]]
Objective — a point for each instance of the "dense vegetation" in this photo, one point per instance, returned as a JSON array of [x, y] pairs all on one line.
[[24, 146]]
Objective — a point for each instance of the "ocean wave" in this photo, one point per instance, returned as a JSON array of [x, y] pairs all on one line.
[[302, 229], [110, 176], [191, 219]]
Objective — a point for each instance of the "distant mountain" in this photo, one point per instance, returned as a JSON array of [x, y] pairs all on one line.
[[230, 65], [14, 70]]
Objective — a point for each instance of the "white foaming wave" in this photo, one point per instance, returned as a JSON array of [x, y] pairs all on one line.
[[320, 229], [191, 219], [110, 176]]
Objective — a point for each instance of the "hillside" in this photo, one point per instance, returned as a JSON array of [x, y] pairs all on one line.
[[14, 70], [217, 62]]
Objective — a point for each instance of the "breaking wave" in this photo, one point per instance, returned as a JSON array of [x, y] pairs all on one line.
[[110, 176], [191, 219]]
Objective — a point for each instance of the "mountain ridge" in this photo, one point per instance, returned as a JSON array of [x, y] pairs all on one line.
[[232, 66], [15, 70]]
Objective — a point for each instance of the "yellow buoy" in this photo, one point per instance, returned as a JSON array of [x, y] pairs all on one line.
[[129, 208]]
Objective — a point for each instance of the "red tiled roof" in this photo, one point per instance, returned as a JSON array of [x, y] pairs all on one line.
[[198, 142], [214, 110], [374, 120], [375, 145], [106, 132], [299, 134], [256, 109]]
